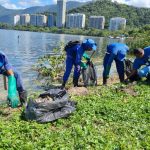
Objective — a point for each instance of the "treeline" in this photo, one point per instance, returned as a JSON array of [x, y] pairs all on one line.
[[74, 31], [141, 37], [136, 17], [138, 37]]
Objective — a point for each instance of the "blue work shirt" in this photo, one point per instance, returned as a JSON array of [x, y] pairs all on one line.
[[117, 50], [4, 64], [145, 60], [76, 53]]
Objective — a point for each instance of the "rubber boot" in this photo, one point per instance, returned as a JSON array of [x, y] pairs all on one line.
[[75, 82], [23, 97], [104, 81], [63, 85], [148, 78], [121, 77]]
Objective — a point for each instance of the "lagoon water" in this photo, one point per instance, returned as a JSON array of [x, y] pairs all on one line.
[[23, 48]]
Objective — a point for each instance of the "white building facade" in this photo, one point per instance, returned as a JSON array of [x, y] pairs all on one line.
[[117, 23], [24, 19], [51, 20], [75, 21], [16, 20], [97, 22], [33, 19], [61, 13], [41, 20]]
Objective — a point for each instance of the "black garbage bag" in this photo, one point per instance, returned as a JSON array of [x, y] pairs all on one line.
[[55, 94], [89, 75], [50, 106]]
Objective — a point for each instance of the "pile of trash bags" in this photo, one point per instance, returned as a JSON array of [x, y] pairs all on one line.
[[50, 106]]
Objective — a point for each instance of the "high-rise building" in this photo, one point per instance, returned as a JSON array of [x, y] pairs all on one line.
[[70, 21], [41, 20], [25, 19], [75, 20], [97, 22], [61, 13], [51, 20], [16, 20], [117, 23], [33, 19]]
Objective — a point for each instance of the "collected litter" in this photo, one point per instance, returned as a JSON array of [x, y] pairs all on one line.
[[50, 106]]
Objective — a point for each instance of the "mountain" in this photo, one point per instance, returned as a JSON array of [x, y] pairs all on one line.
[[6, 15], [135, 16]]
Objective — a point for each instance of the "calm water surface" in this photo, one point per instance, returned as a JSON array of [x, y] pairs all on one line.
[[24, 51]]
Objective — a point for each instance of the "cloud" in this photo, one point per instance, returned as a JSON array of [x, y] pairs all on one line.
[[29, 3], [136, 3], [139, 3], [24, 3], [8, 4]]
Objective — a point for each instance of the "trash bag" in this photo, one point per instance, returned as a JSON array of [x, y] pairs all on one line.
[[50, 106], [89, 75]]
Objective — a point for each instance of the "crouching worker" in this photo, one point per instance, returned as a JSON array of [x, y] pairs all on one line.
[[74, 52], [142, 59], [117, 52], [14, 82]]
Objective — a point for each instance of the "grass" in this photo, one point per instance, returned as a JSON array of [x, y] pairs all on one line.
[[108, 119]]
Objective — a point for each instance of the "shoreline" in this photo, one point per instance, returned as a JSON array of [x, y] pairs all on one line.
[[73, 31], [55, 33]]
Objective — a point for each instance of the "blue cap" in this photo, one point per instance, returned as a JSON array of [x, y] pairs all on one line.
[[90, 43]]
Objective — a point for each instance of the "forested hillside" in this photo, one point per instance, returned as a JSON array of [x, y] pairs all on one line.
[[135, 16]]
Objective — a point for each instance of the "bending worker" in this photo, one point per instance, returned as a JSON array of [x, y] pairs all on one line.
[[74, 55], [142, 59], [117, 52], [7, 70]]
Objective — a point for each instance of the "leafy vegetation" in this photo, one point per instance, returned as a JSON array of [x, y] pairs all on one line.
[[86, 32], [50, 67], [136, 17], [141, 37], [107, 118]]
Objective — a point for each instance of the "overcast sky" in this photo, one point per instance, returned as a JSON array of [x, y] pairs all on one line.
[[17, 4]]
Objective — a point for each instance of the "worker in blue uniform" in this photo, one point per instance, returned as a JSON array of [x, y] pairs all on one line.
[[117, 52], [142, 59], [73, 58], [6, 69]]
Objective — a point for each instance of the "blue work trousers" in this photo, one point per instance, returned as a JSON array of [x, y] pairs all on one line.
[[70, 62], [19, 82], [119, 67], [144, 72]]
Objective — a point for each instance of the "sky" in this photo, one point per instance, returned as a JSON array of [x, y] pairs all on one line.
[[22, 4]]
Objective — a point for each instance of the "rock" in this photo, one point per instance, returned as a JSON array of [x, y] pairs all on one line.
[[78, 91], [130, 91]]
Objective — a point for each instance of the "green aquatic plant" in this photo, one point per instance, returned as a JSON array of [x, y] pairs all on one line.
[[106, 118], [51, 65]]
